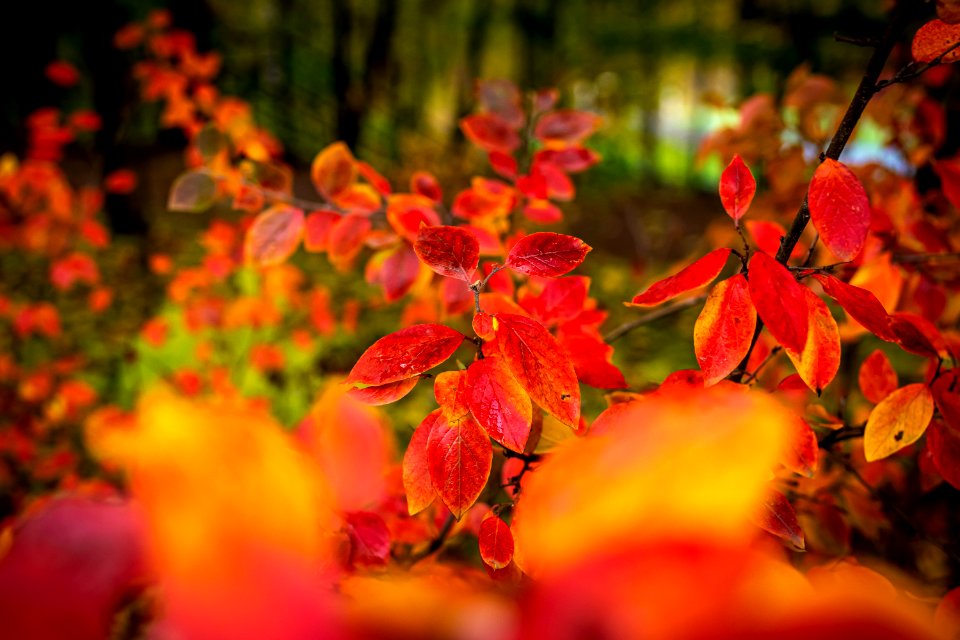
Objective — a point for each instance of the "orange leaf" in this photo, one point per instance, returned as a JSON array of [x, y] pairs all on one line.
[[776, 515], [877, 378], [347, 236], [404, 354], [839, 209], [453, 395], [499, 403], [540, 365], [274, 235], [450, 251], [933, 39], [819, 361], [860, 304], [724, 329], [496, 542], [691, 277], [802, 455], [316, 229], [416, 467], [547, 254], [780, 301], [737, 188], [899, 420], [333, 170], [425, 184], [459, 457]]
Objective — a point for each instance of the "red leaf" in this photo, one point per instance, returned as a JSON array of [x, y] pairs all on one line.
[[724, 329], [569, 159], [776, 515], [943, 442], [499, 403], [450, 251], [490, 132], [369, 539], [804, 449], [566, 126], [737, 188], [819, 360], [780, 301], [691, 277], [398, 272], [347, 236], [425, 184], [317, 228], [766, 237], [377, 181], [333, 170], [540, 365], [899, 420], [933, 38], [542, 212], [483, 326], [460, 458], [860, 304], [917, 335], [839, 209], [384, 393], [274, 235], [591, 360], [503, 163], [547, 254], [404, 354], [453, 394], [877, 378], [496, 542], [416, 467]]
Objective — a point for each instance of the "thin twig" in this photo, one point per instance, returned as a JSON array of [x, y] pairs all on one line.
[[662, 312], [437, 541]]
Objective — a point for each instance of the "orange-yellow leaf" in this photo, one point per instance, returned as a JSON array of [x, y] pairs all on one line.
[[724, 329], [899, 420], [819, 361], [333, 170], [691, 277], [540, 365], [452, 393]]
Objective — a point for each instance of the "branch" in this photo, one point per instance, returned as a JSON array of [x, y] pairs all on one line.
[[914, 70], [662, 312], [437, 541]]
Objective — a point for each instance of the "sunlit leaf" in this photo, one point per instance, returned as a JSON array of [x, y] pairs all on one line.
[[416, 467], [897, 421], [935, 38], [333, 170], [384, 393], [819, 360], [691, 277], [776, 515], [724, 329]]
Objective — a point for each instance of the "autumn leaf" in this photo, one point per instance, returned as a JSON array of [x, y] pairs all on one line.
[[819, 361], [496, 542], [540, 365], [274, 235], [877, 377], [193, 192], [724, 329], [369, 539], [935, 38], [316, 229], [450, 251], [499, 403], [776, 515], [899, 420], [566, 126], [333, 170], [453, 393], [780, 301], [691, 277], [839, 209], [943, 441], [860, 304], [425, 184], [384, 393], [737, 188], [459, 459], [416, 467], [490, 132], [547, 254], [802, 455], [404, 354]]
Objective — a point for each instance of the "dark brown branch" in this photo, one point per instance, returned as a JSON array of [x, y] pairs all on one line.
[[437, 541], [662, 312]]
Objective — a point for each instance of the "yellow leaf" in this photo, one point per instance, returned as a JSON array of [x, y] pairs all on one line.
[[899, 420]]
